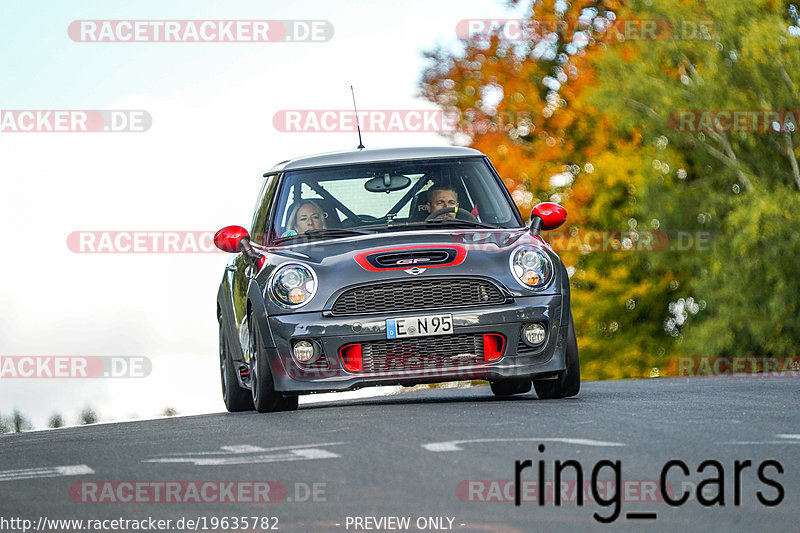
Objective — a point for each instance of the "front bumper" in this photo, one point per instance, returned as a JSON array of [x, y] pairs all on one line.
[[331, 333]]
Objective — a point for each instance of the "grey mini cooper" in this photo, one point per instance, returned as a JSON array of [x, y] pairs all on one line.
[[391, 266]]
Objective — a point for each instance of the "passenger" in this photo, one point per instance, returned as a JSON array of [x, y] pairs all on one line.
[[306, 216]]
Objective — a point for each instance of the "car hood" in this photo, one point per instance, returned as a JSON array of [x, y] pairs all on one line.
[[342, 262]]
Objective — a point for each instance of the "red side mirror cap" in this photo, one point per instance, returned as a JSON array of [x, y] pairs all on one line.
[[552, 215], [228, 238]]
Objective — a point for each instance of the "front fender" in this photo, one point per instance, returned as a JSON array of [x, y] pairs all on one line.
[[565, 292], [227, 317], [258, 312]]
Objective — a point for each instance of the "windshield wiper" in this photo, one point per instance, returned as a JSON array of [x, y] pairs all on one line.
[[444, 221], [375, 228], [323, 233], [454, 221]]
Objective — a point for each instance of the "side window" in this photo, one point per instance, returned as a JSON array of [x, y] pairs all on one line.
[[259, 229], [491, 207]]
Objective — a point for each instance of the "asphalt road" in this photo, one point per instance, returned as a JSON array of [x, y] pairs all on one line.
[[433, 458]]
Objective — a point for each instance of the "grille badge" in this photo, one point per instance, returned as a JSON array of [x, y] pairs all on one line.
[[415, 271], [412, 261]]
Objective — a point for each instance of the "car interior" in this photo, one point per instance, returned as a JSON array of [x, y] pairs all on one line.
[[377, 196]]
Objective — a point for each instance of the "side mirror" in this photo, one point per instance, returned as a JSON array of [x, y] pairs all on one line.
[[228, 238], [235, 239], [547, 216]]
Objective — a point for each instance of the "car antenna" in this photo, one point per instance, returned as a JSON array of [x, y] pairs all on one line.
[[360, 144]]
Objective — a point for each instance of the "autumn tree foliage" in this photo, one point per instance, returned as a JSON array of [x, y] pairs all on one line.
[[737, 179], [579, 111], [525, 104]]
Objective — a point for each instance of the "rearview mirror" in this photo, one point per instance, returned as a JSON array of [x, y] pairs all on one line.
[[387, 183]]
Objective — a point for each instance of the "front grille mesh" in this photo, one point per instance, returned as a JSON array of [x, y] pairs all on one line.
[[417, 295], [319, 368], [423, 353], [524, 349]]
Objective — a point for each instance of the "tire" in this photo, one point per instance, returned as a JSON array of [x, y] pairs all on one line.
[[510, 387], [569, 380], [264, 396], [235, 397]]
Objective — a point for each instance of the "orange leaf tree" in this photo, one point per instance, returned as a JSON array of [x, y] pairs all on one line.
[[526, 104]]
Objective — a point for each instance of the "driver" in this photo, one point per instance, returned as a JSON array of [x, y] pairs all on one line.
[[441, 197], [305, 216]]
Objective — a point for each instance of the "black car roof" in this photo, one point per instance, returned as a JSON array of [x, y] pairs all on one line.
[[373, 155]]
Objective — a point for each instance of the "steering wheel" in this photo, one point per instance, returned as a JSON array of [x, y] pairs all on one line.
[[457, 211]]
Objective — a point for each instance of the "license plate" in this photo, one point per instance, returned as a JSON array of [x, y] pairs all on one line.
[[419, 326]]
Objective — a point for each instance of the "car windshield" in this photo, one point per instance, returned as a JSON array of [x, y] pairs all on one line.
[[390, 196]]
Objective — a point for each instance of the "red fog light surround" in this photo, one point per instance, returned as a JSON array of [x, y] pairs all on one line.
[[493, 344], [350, 354]]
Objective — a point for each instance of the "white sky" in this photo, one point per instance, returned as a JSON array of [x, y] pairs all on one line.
[[197, 168]]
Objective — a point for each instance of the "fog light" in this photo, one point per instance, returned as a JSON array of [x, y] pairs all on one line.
[[303, 351], [534, 334]]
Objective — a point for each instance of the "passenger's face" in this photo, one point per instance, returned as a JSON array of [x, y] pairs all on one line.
[[308, 218], [440, 199]]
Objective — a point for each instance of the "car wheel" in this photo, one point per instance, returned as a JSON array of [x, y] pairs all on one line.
[[509, 387], [569, 380], [265, 398], [235, 397]]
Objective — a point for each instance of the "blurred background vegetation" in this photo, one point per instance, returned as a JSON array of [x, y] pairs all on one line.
[[17, 422], [580, 113]]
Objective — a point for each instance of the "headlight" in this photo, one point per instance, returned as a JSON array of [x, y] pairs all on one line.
[[531, 267], [292, 285]]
